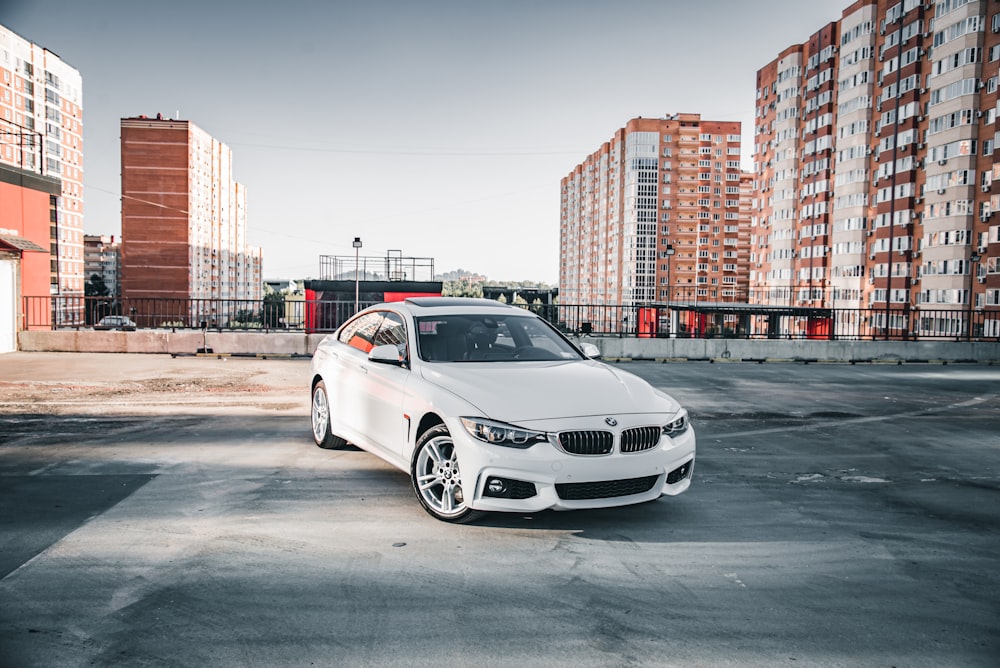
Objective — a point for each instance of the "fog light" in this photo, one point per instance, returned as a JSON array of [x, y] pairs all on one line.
[[678, 474], [505, 488]]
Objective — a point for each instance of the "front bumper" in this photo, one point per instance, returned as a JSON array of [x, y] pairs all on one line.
[[544, 477]]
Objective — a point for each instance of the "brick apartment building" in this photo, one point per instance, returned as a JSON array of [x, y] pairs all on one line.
[[183, 218], [41, 170], [875, 168], [654, 215]]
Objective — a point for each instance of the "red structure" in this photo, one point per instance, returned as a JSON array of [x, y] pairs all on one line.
[[27, 209], [330, 303]]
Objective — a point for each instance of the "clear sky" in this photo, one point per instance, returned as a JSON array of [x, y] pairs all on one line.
[[440, 128]]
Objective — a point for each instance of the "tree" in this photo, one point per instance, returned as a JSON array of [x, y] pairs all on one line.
[[471, 285], [244, 316], [97, 308], [273, 310], [96, 287], [463, 287]]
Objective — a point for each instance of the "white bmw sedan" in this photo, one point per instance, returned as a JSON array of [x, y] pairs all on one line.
[[490, 408]]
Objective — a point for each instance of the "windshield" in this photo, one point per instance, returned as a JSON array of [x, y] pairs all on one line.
[[490, 338]]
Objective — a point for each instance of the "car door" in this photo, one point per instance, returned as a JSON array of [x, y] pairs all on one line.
[[349, 363], [384, 388]]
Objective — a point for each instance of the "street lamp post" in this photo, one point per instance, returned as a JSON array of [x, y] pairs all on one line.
[[973, 261], [357, 275], [668, 252]]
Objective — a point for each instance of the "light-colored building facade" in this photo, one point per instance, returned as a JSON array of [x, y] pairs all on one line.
[[184, 218], [874, 162], [778, 121], [852, 161], [102, 257], [41, 134], [655, 216]]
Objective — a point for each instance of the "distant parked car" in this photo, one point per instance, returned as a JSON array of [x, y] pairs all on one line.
[[119, 322], [490, 408]]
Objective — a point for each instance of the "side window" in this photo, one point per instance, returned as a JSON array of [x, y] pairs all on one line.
[[360, 332], [392, 332]]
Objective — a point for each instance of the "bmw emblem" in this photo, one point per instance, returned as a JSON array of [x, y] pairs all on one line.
[[610, 421]]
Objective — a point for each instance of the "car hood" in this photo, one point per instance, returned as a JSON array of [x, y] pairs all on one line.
[[523, 391]]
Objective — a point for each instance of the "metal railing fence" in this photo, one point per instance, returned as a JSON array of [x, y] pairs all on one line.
[[674, 320]]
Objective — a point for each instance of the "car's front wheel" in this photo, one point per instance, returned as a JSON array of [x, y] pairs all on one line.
[[321, 421], [437, 479]]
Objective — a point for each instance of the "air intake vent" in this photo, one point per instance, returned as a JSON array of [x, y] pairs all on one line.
[[606, 489], [586, 442], [640, 439]]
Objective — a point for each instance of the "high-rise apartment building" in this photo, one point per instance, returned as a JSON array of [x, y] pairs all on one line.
[[183, 218], [874, 165], [654, 216], [101, 257], [41, 134]]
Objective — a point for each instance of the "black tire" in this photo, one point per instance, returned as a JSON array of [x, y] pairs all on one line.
[[436, 480], [322, 421]]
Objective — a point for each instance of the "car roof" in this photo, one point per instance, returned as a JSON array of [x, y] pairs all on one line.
[[433, 306], [464, 302]]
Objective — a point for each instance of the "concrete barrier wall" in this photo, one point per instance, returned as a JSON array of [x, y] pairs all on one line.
[[171, 342], [297, 343], [798, 350]]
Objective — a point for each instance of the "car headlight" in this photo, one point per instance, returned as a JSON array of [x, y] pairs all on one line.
[[498, 433], [678, 425]]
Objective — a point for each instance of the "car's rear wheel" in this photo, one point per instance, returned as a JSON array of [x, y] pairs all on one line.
[[321, 420], [436, 478]]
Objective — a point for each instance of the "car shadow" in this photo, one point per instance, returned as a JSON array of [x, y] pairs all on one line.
[[661, 520]]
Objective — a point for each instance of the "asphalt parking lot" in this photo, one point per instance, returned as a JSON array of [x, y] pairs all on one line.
[[159, 511]]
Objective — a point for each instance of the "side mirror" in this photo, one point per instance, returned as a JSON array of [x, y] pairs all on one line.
[[386, 354], [591, 351]]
